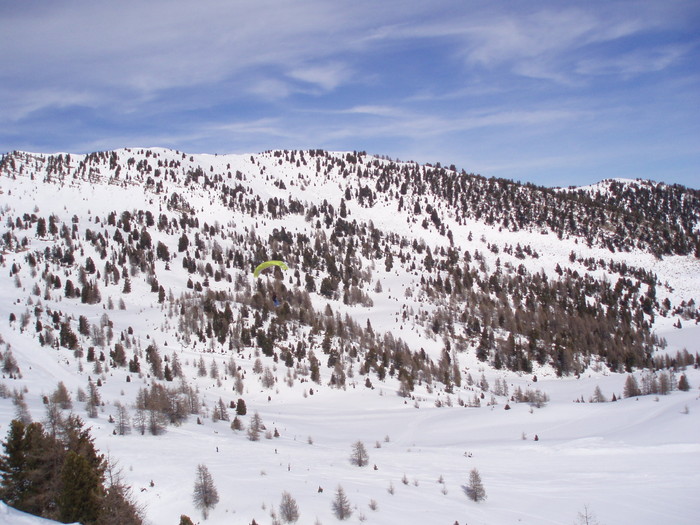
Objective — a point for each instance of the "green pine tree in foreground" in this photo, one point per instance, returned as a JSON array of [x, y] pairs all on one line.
[[81, 490], [60, 475]]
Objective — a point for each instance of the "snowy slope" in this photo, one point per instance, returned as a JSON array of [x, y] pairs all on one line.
[[10, 516], [633, 461]]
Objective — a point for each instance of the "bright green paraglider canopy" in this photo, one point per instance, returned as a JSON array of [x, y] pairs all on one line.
[[266, 264]]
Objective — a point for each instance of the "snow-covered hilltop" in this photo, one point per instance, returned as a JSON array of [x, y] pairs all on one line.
[[419, 304]]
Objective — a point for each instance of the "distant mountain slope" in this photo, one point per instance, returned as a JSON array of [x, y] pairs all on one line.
[[346, 222], [616, 214], [651, 210]]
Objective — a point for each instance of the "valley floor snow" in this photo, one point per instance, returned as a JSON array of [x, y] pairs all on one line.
[[633, 461]]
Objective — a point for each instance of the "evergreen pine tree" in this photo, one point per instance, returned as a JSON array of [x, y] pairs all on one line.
[[598, 396], [30, 468], [631, 387], [359, 455], [220, 412], [341, 505], [61, 397], [683, 383], [13, 465], [118, 507], [664, 383], [586, 517], [122, 419], [289, 510], [255, 427], [93, 401], [80, 497], [475, 488], [41, 227], [205, 495]]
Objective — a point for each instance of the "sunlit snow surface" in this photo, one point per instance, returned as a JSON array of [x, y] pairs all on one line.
[[633, 461]]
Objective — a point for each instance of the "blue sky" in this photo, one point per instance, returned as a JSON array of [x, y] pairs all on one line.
[[555, 93]]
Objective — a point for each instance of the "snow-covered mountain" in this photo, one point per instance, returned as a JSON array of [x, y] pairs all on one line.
[[441, 318]]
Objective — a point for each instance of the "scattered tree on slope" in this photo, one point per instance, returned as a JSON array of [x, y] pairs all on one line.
[[475, 488], [205, 495]]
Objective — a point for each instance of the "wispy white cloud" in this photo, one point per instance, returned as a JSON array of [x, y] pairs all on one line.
[[415, 124], [19, 105], [539, 40], [635, 62], [267, 126], [380, 111], [148, 47], [268, 88], [541, 45], [513, 38], [327, 77]]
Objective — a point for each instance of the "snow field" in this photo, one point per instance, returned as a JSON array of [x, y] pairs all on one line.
[[633, 461]]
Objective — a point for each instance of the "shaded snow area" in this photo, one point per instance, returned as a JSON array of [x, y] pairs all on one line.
[[635, 460], [10, 516]]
